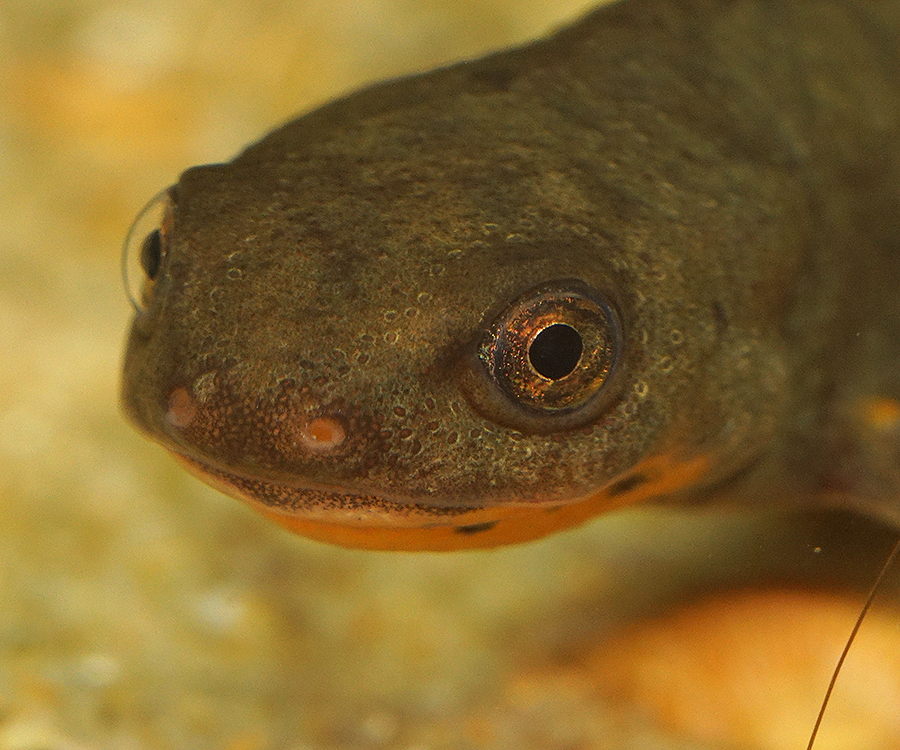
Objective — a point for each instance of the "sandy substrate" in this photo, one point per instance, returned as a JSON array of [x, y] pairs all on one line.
[[139, 609]]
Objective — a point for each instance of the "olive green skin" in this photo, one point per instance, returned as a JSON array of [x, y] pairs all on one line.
[[726, 174]]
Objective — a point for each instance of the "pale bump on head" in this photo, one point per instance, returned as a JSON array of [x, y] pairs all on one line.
[[322, 434]]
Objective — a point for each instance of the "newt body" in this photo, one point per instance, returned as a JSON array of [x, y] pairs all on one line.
[[652, 258]]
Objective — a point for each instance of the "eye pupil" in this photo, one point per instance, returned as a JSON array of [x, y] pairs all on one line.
[[556, 351], [151, 254]]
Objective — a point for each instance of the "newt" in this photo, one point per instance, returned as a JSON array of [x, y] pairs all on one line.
[[652, 258]]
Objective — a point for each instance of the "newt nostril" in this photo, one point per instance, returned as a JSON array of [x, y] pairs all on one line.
[[182, 408]]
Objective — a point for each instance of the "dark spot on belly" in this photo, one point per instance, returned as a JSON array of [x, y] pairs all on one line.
[[475, 528], [497, 79], [721, 318], [626, 484]]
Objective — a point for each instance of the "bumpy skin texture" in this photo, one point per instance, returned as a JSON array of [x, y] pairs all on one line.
[[725, 175]]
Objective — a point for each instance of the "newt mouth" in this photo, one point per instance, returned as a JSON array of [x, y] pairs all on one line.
[[361, 520], [374, 522], [316, 502]]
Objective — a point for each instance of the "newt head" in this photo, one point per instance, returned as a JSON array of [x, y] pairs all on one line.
[[445, 313]]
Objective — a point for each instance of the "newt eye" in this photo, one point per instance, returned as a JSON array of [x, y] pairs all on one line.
[[151, 254], [549, 358], [146, 249]]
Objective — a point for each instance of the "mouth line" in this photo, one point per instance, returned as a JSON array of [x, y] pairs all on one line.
[[321, 502], [215, 470], [373, 522]]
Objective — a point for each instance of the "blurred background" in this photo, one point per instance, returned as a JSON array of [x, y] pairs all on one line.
[[139, 609]]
